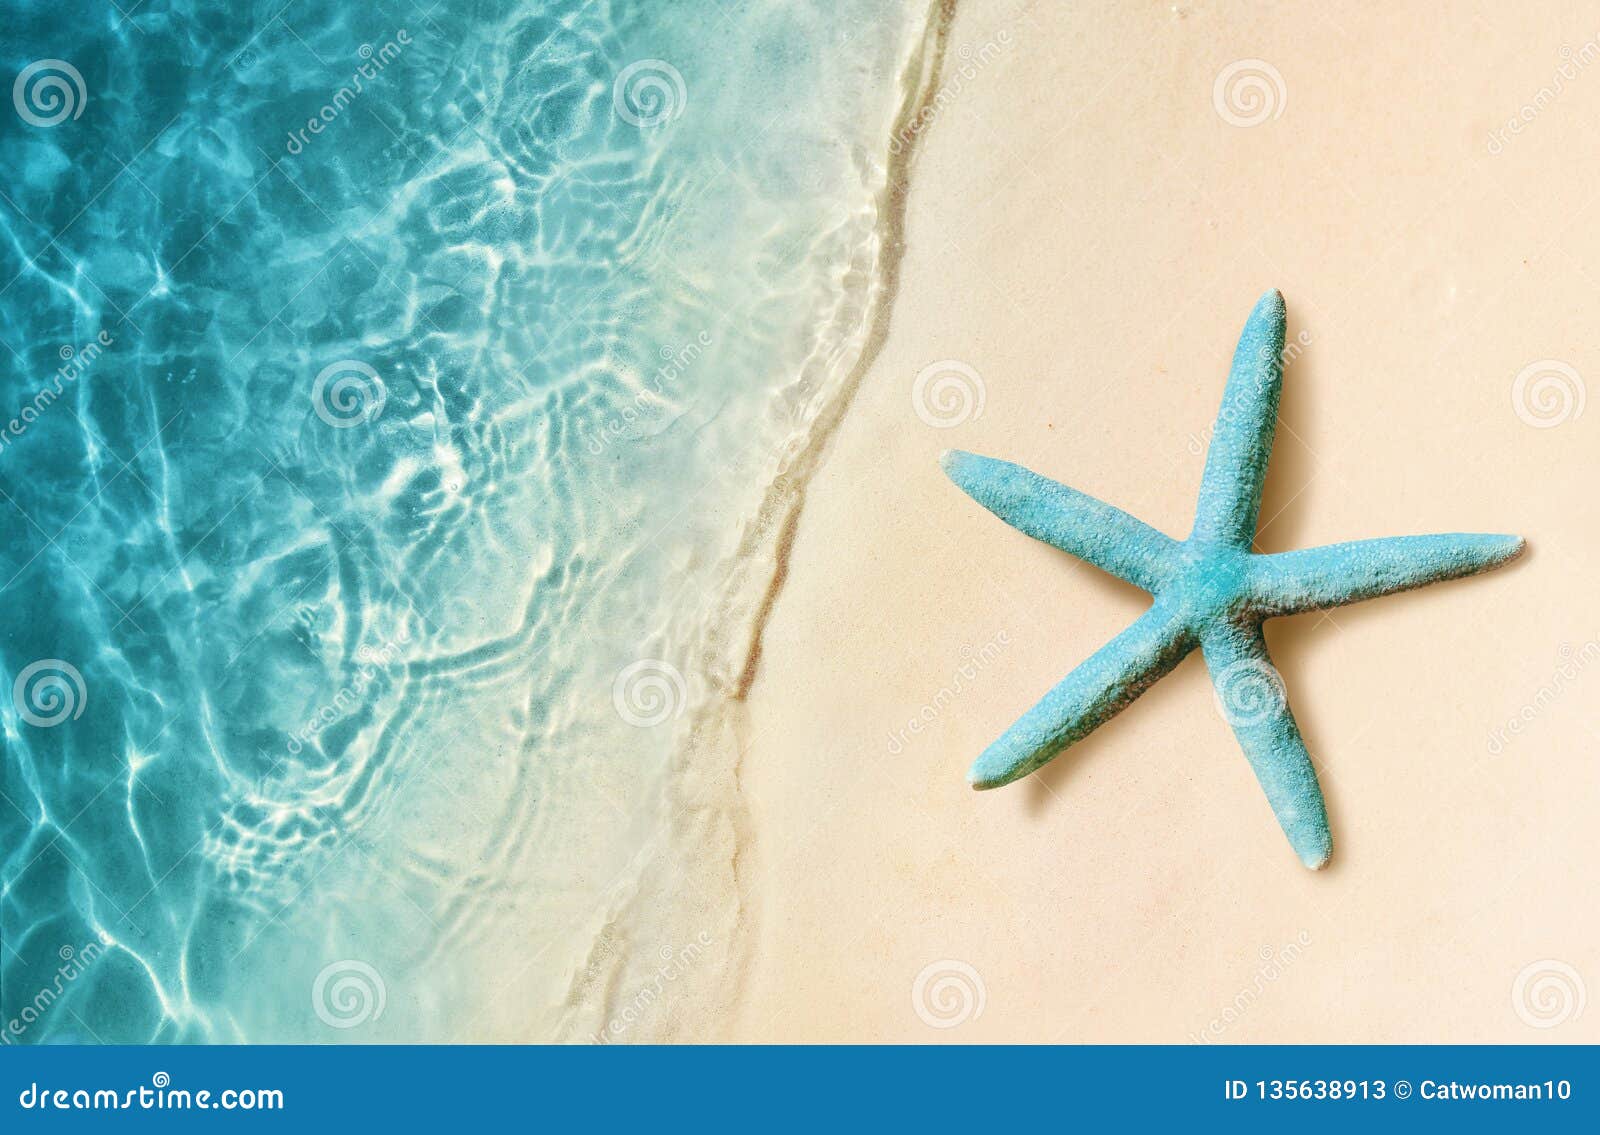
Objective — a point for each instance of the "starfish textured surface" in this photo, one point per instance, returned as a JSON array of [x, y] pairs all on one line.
[[1211, 591]]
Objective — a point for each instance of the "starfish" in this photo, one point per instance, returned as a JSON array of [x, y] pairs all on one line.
[[1210, 591]]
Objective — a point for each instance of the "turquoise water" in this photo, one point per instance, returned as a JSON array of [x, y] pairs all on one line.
[[397, 394]]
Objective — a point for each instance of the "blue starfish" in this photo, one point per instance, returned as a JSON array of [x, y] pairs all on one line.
[[1211, 591]]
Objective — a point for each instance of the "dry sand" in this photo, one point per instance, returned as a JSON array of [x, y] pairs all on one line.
[[1087, 232]]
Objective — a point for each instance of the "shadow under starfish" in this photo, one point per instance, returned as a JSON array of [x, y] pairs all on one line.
[[1211, 591]]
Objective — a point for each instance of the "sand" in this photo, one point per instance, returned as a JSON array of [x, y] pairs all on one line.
[[1086, 231]]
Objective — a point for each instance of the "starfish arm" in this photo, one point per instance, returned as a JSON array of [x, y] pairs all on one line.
[[1100, 688], [1075, 522], [1236, 462], [1252, 698], [1313, 579]]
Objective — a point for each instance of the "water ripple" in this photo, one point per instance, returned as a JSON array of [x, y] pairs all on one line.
[[382, 393]]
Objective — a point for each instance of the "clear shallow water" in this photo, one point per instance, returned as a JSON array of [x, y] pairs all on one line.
[[373, 491]]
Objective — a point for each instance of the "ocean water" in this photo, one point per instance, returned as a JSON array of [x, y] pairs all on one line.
[[404, 404]]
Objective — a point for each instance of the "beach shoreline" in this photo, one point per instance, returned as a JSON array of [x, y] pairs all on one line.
[[1091, 216], [692, 895]]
